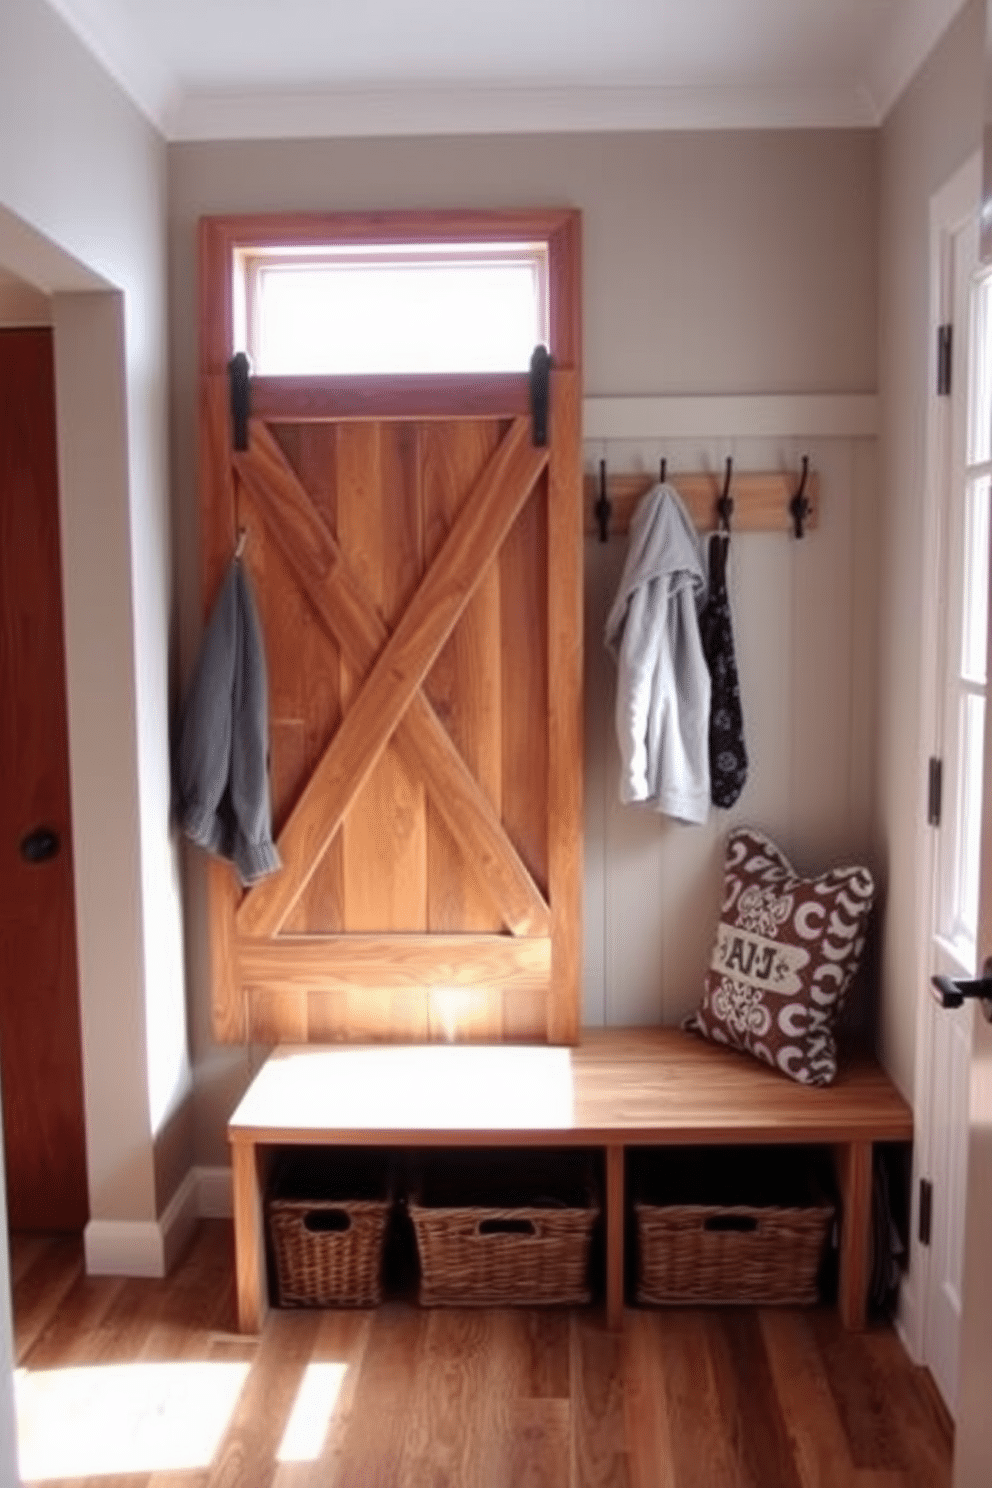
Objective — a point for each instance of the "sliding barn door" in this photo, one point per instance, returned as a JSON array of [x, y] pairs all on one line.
[[416, 561]]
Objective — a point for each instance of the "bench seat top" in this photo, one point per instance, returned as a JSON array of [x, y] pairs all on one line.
[[619, 1087]]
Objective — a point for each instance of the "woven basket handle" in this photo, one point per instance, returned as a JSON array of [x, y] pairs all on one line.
[[506, 1227], [327, 1221], [740, 1224]]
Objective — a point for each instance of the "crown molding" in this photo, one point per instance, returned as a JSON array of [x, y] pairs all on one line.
[[108, 32], [914, 31], [362, 112]]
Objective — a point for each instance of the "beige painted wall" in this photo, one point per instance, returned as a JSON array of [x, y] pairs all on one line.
[[713, 263], [21, 304], [931, 131], [82, 218]]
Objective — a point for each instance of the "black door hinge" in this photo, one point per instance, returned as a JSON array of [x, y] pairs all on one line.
[[540, 394], [935, 792], [944, 341], [239, 372], [926, 1211]]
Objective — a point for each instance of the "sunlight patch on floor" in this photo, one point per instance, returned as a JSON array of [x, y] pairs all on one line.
[[306, 1429], [99, 1420]]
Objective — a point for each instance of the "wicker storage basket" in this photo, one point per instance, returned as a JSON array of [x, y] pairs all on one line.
[[764, 1252], [507, 1246], [327, 1230]]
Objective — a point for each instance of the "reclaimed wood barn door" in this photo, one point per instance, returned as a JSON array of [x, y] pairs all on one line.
[[416, 558]]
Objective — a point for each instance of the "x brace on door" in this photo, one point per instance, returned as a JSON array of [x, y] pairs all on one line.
[[390, 703]]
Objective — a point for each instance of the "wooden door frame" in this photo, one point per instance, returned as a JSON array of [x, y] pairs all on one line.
[[443, 397]]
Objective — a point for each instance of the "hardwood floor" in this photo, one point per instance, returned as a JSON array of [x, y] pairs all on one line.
[[146, 1381]]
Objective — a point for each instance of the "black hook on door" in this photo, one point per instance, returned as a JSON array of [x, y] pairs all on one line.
[[662, 470]]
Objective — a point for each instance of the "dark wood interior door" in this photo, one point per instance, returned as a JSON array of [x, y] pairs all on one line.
[[40, 1046]]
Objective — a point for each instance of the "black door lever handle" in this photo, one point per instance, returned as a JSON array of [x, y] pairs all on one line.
[[949, 992]]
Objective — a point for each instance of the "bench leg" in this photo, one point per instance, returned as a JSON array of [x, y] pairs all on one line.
[[248, 1165], [854, 1174], [614, 1237]]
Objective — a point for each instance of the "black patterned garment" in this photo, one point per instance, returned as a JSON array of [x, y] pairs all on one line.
[[728, 753]]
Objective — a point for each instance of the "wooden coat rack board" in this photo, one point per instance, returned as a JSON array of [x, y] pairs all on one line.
[[761, 498]]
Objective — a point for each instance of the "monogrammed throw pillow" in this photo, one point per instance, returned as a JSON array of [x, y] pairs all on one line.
[[786, 951]]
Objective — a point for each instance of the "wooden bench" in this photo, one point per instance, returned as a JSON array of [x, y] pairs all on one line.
[[620, 1088]]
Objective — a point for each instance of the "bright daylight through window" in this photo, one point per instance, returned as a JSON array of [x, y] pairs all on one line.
[[353, 310]]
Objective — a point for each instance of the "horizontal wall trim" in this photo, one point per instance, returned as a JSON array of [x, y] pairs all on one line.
[[757, 416]]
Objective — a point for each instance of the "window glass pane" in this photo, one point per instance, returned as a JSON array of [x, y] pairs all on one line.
[[975, 600], [980, 403], [399, 312], [969, 822]]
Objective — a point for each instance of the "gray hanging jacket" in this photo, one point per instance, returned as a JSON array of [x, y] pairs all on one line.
[[220, 771], [663, 683]]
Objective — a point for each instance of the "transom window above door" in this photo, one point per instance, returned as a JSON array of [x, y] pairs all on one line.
[[355, 309]]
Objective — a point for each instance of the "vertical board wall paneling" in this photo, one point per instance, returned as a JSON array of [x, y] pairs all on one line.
[[821, 684], [866, 564], [603, 563], [802, 616]]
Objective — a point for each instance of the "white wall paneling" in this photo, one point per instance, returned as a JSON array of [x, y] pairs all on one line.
[[807, 676]]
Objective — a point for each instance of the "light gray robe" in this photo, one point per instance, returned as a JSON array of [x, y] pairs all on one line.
[[663, 683], [220, 771]]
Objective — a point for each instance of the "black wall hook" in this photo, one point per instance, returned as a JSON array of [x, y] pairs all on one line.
[[604, 507], [239, 371], [725, 506], [662, 470], [799, 505]]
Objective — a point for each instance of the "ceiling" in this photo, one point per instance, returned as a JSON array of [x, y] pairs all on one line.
[[256, 68]]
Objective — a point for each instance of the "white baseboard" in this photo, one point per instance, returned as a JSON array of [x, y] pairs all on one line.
[[214, 1198], [121, 1247], [124, 1247], [907, 1320], [178, 1220]]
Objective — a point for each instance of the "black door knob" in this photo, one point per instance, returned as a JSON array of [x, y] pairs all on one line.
[[40, 845]]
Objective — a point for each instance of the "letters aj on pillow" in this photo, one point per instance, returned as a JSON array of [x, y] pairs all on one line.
[[786, 952]]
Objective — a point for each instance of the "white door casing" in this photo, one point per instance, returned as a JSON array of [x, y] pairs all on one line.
[[973, 1437], [973, 1156], [955, 582]]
